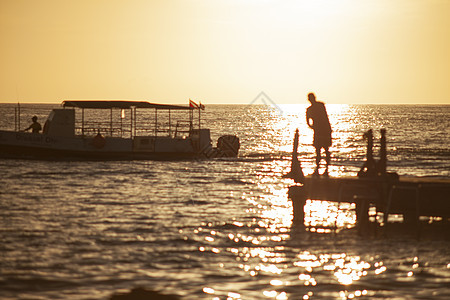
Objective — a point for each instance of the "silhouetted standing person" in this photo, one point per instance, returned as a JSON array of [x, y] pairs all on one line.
[[35, 126], [317, 113]]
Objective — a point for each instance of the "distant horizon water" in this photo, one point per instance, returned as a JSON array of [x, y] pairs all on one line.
[[300, 101]]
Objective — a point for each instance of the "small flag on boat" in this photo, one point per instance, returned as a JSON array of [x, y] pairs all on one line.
[[193, 104]]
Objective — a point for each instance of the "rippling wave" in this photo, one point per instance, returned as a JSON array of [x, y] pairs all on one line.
[[221, 228]]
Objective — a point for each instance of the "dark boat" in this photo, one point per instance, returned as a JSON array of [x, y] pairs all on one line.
[[118, 130]]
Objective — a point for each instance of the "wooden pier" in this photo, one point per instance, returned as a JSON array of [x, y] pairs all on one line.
[[411, 197]]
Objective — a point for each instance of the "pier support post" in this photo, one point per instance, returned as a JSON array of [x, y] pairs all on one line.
[[298, 196], [362, 213], [383, 154]]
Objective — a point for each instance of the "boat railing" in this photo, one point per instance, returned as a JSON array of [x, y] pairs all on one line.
[[183, 127], [92, 131], [163, 128], [91, 128]]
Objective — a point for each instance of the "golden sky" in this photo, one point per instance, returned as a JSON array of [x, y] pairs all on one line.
[[225, 51]]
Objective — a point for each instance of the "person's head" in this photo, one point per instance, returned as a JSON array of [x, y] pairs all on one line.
[[34, 119], [311, 98]]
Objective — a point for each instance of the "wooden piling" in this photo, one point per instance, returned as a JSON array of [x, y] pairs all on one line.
[[382, 164], [298, 196], [362, 204]]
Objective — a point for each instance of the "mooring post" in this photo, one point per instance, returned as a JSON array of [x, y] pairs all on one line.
[[383, 153], [296, 172], [362, 213], [369, 166], [369, 135], [298, 196]]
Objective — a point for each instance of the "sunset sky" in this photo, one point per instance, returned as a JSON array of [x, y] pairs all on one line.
[[225, 51]]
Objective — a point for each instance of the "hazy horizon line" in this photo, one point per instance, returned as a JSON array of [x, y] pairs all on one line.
[[235, 103]]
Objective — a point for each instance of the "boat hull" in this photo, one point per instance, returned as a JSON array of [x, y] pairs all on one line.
[[39, 146]]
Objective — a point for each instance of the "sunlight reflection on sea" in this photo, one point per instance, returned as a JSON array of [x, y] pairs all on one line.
[[220, 229]]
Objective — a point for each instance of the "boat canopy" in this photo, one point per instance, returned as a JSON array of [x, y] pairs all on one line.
[[108, 104]]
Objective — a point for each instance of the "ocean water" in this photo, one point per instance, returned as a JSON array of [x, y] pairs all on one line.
[[220, 229]]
